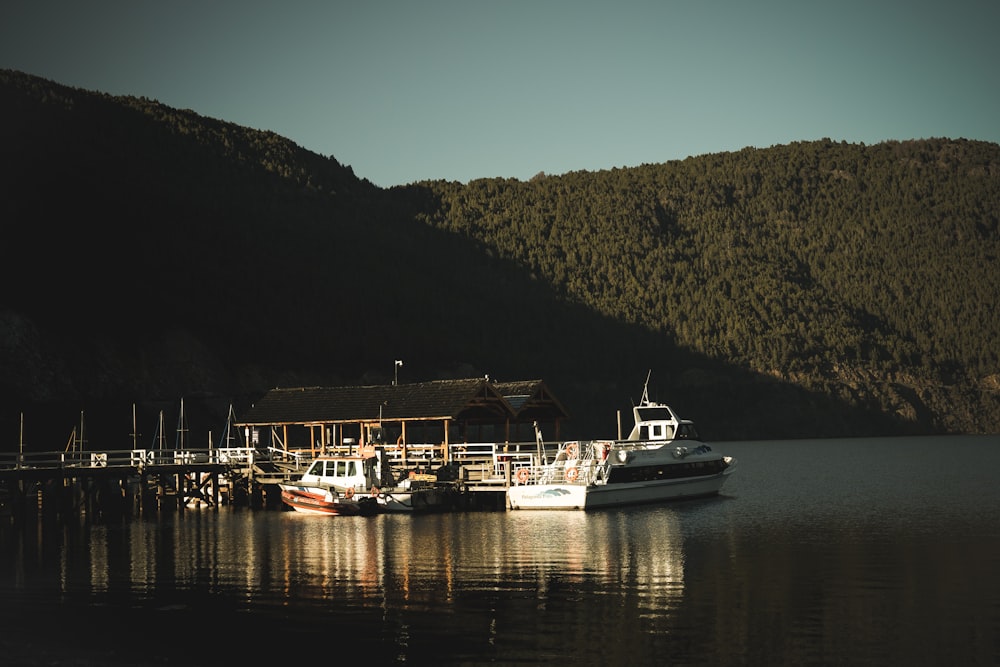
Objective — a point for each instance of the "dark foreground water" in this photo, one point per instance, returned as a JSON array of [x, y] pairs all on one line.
[[823, 552]]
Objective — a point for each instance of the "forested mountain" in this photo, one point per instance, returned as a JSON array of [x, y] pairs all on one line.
[[809, 290]]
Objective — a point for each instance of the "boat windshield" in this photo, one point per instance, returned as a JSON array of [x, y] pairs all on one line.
[[687, 431], [659, 413]]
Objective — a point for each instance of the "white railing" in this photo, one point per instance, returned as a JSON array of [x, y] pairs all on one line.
[[126, 458], [496, 460]]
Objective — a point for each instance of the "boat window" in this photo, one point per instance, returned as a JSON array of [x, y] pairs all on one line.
[[662, 431], [659, 413], [687, 431], [316, 468]]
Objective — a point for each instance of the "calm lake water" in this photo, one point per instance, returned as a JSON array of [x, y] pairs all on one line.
[[878, 551]]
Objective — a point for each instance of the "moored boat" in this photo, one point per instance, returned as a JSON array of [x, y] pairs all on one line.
[[662, 459], [326, 500], [336, 485], [419, 493], [360, 484]]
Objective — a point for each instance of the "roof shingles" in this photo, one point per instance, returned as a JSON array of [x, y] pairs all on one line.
[[468, 399]]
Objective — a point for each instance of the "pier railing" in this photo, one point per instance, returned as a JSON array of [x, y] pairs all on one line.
[[127, 458], [481, 460]]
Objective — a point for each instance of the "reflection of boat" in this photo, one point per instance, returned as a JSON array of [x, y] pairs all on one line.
[[662, 459], [360, 484]]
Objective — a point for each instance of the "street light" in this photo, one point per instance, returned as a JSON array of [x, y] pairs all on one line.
[[395, 371]]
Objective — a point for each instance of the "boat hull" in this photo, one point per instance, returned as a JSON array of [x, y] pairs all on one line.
[[569, 496], [316, 500], [418, 500]]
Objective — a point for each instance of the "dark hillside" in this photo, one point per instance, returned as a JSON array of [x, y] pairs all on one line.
[[151, 254], [859, 272]]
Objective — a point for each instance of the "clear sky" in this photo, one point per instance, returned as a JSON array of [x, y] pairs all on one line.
[[408, 90]]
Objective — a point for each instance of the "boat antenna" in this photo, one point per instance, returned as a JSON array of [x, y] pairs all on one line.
[[538, 443], [645, 389]]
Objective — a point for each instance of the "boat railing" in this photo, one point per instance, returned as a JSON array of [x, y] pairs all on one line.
[[560, 472], [572, 463]]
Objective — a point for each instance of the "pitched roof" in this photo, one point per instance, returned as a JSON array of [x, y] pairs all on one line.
[[470, 399], [531, 400]]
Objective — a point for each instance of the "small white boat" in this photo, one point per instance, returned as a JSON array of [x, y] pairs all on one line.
[[320, 500], [419, 493], [662, 459], [356, 484], [333, 485]]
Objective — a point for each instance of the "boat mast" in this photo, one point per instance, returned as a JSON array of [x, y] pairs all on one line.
[[158, 437], [135, 430], [180, 441], [228, 438], [645, 389]]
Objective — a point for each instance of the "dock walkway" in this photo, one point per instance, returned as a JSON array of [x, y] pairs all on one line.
[[112, 482]]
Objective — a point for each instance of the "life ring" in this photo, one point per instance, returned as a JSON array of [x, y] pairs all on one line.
[[522, 475], [399, 440], [572, 450], [572, 473], [349, 493]]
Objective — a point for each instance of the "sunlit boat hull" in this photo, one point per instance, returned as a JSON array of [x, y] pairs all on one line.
[[569, 496], [317, 500]]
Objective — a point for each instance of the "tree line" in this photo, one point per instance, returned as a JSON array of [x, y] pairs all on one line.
[[860, 275]]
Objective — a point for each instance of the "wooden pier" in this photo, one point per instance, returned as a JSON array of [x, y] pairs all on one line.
[[107, 485]]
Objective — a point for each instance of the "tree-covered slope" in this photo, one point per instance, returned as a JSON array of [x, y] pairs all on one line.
[[823, 263], [813, 289]]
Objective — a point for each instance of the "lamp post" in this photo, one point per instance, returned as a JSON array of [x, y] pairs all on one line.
[[395, 371]]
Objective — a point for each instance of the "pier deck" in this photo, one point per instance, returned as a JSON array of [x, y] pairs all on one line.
[[141, 481]]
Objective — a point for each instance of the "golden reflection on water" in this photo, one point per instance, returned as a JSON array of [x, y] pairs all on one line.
[[286, 558], [799, 562]]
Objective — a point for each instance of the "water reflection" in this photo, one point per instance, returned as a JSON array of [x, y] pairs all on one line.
[[284, 559], [817, 553]]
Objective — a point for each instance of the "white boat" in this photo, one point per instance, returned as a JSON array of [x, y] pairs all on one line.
[[332, 485], [662, 459], [361, 484], [419, 493]]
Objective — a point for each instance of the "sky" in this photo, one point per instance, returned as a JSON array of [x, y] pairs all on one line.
[[413, 90]]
